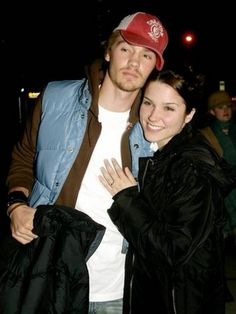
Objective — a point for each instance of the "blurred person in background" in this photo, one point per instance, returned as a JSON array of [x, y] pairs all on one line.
[[221, 133]]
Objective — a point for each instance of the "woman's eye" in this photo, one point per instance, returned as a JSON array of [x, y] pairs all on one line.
[[146, 102], [168, 108]]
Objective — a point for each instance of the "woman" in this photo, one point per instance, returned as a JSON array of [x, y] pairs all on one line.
[[174, 220]]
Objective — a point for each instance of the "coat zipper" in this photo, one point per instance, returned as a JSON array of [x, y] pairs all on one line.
[[173, 289], [131, 286], [173, 300], [145, 171]]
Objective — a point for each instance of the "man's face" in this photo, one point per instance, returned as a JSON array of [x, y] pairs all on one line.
[[130, 65], [222, 113]]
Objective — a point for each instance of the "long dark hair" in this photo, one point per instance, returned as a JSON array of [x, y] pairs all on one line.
[[187, 85]]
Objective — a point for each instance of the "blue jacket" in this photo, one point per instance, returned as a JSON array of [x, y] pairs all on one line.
[[65, 107]]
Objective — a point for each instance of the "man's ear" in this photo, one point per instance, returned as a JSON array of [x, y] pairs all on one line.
[[107, 55], [212, 112]]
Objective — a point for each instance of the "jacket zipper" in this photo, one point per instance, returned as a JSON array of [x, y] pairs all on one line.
[[173, 289], [173, 299], [131, 286], [145, 171]]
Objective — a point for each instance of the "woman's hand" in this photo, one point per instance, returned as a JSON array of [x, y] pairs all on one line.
[[114, 178]]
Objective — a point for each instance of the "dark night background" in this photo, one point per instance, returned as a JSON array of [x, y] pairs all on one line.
[[40, 44], [44, 41]]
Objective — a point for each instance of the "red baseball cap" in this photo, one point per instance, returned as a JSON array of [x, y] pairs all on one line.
[[145, 30]]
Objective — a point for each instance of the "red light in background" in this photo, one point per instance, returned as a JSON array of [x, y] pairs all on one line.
[[189, 39]]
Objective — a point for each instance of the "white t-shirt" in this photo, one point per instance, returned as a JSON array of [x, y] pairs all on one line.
[[106, 265]]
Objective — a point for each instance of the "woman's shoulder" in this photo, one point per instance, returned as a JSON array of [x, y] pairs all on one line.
[[199, 159], [195, 158]]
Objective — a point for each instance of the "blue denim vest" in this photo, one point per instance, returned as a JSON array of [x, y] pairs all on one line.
[[65, 107]]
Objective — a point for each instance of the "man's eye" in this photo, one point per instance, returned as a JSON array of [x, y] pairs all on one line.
[[147, 57]]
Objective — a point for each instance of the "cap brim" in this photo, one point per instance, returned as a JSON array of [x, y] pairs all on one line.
[[134, 39], [219, 104]]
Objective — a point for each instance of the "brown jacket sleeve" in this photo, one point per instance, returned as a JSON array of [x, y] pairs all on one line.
[[21, 166]]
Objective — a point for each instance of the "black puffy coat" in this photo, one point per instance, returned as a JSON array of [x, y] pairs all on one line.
[[49, 275], [174, 227]]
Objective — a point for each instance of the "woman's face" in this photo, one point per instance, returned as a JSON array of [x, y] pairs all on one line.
[[162, 113]]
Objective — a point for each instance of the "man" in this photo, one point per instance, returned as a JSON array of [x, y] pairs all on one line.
[[221, 133], [74, 128]]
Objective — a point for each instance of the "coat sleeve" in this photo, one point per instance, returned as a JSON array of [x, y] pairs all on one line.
[[170, 223], [21, 167]]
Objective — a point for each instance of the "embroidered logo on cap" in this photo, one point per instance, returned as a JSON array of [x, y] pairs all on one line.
[[156, 30]]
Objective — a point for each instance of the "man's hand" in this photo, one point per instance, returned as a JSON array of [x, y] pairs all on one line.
[[22, 223]]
